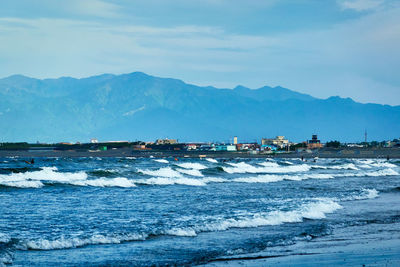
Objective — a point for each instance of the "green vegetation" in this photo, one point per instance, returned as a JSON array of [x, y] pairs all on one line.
[[334, 144]]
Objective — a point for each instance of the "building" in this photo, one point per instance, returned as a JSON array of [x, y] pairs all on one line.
[[225, 148], [191, 147], [279, 142], [166, 141], [235, 140], [94, 141], [314, 142]]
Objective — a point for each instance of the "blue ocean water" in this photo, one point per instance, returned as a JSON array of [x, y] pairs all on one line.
[[148, 211]]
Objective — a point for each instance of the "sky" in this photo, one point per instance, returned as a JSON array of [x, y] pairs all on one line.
[[349, 48]]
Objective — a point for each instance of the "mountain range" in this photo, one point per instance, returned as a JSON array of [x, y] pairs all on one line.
[[138, 106]]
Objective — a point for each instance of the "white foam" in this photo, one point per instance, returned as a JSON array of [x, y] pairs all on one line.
[[181, 232], [192, 165], [243, 167], [171, 181], [384, 172], [367, 194], [4, 238], [22, 184], [161, 160], [212, 160], [269, 164], [191, 172], [105, 182], [163, 172], [36, 179], [314, 210], [64, 243], [383, 165], [276, 178], [349, 166], [48, 175], [214, 180]]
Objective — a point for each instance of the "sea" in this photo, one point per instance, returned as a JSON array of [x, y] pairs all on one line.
[[131, 211]]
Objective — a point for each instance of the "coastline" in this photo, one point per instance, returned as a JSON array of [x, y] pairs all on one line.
[[372, 244], [128, 152]]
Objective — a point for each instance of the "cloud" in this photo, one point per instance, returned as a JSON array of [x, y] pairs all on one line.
[[360, 5], [96, 8], [358, 58]]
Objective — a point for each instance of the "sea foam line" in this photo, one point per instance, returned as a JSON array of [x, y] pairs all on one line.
[[268, 167]]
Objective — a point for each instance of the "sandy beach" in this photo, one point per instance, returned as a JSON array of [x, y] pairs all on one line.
[[375, 243]]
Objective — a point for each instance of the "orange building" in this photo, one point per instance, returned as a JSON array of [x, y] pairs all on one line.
[[314, 142]]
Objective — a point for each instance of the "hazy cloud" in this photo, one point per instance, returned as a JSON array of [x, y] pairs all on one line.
[[360, 5], [355, 57]]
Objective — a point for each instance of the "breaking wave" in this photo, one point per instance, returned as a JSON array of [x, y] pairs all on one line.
[[192, 165], [192, 172], [317, 209], [314, 210], [349, 166], [212, 160], [161, 160], [367, 194], [163, 172], [268, 167], [103, 182], [276, 178], [49, 175], [65, 243], [170, 181]]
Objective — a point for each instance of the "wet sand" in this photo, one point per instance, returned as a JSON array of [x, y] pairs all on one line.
[[374, 244]]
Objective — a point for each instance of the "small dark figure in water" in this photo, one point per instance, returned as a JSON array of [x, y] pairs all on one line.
[[302, 158], [387, 157], [30, 162]]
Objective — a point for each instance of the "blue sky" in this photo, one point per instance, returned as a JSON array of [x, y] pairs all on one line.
[[348, 48]]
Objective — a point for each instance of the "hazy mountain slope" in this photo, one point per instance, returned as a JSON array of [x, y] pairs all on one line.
[[137, 106]]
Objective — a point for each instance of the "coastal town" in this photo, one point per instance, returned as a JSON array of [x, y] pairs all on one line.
[[278, 146]]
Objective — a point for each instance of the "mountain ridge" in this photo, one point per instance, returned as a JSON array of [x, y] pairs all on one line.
[[138, 106]]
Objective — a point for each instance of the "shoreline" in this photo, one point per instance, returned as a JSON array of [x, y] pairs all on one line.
[[383, 153], [374, 244]]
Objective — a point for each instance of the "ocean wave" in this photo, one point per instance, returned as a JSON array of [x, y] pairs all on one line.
[[161, 160], [102, 173], [49, 175], [170, 181], [316, 209], [385, 172], [162, 172], [192, 172], [36, 179], [243, 167], [268, 164], [212, 160], [181, 232], [192, 165], [313, 210], [362, 195], [106, 182], [276, 178], [66, 243], [349, 166], [4, 238], [367, 194]]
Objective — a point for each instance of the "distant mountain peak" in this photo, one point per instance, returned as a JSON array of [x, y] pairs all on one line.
[[140, 106]]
